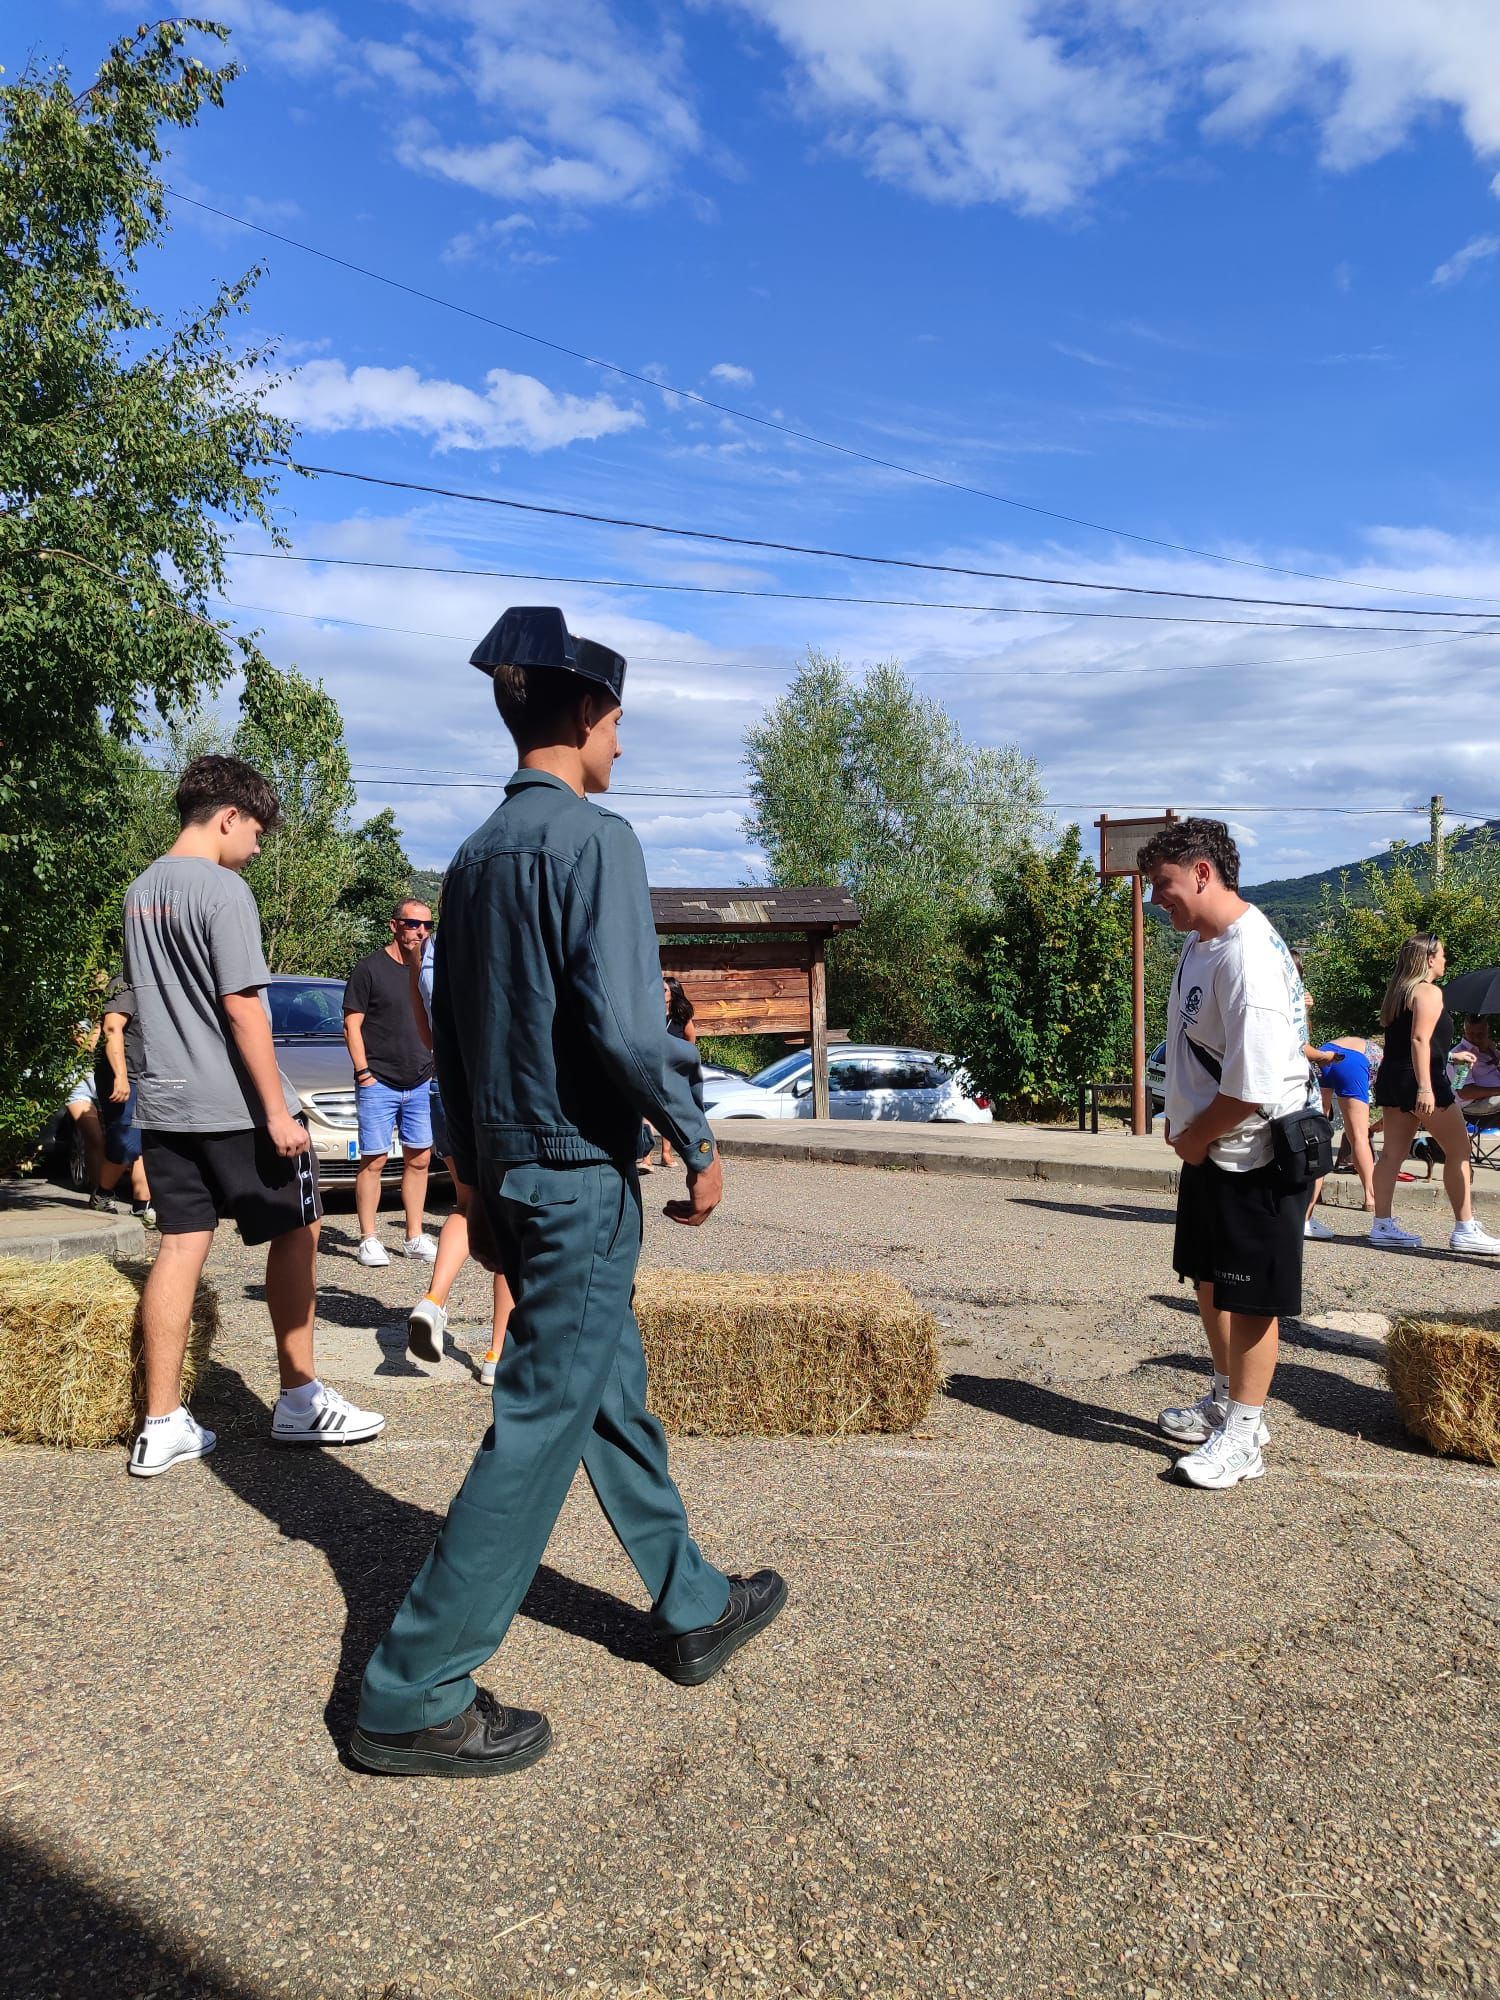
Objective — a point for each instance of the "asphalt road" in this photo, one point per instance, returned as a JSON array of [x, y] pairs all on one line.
[[1036, 1720]]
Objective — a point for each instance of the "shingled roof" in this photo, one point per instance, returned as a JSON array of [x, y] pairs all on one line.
[[752, 909]]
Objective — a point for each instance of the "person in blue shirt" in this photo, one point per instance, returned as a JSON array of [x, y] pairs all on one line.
[[551, 1047]]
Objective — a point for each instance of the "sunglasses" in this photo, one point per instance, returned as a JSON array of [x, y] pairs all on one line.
[[415, 923]]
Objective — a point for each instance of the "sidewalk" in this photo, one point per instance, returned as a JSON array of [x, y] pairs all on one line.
[[40, 1221], [1018, 1152]]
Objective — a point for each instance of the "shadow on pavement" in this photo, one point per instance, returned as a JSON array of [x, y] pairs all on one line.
[[1065, 1416], [1108, 1211], [373, 1541], [61, 1935], [1323, 1396]]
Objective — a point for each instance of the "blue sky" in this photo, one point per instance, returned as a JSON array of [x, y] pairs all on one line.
[[1226, 278]]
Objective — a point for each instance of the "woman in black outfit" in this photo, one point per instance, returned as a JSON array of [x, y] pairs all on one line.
[[1412, 1087]]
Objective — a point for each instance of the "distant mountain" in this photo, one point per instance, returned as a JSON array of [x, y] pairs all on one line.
[[1292, 904]]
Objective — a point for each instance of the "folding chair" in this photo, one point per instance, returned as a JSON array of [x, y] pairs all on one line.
[[1484, 1141]]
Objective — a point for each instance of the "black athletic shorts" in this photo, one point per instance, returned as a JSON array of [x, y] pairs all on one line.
[[1241, 1233], [199, 1178]]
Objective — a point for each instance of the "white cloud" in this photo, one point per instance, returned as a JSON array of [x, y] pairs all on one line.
[[1458, 266], [1034, 102], [732, 373], [514, 411]]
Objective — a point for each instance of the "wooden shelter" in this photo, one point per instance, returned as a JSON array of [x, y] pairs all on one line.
[[752, 961]]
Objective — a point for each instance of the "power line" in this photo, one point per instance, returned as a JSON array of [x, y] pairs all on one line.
[[849, 555], [830, 597], [912, 673], [789, 430]]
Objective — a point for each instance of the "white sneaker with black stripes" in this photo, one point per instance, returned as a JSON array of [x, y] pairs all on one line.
[[331, 1419]]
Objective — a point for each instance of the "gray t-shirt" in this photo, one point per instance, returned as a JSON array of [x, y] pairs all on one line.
[[192, 934]]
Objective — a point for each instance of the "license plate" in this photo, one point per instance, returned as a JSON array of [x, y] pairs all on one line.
[[354, 1149]]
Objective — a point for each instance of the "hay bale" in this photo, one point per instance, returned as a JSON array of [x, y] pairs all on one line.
[[1446, 1377], [70, 1349], [770, 1354]]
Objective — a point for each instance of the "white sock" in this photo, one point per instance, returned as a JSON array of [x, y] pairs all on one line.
[[1243, 1420], [301, 1399], [172, 1417], [1221, 1387]]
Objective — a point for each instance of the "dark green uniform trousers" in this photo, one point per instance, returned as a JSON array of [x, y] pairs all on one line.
[[570, 1387]]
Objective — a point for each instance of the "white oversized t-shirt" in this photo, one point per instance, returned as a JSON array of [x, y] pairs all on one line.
[[1239, 997]]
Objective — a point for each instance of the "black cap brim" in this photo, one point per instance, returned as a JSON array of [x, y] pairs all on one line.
[[538, 636]]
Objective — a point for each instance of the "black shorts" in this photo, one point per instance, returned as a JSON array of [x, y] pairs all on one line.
[[1243, 1234], [198, 1178], [1396, 1088]]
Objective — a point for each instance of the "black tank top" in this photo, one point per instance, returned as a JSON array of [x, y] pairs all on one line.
[[1398, 1042]]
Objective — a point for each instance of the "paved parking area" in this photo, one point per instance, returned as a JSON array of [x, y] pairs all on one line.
[[1036, 1721]]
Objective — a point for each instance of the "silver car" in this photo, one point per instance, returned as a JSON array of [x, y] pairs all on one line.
[[307, 1026], [864, 1082]]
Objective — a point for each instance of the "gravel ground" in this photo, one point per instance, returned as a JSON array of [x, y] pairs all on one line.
[[1036, 1721]]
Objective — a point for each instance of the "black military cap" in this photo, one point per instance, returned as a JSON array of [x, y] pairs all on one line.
[[538, 636]]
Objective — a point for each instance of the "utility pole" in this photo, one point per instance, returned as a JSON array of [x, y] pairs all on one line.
[[1435, 815]]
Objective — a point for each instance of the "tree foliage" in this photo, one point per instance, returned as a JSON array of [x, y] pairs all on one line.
[[126, 449], [1042, 997], [1360, 931], [870, 785]]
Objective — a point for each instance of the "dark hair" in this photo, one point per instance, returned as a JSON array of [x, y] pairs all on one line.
[[210, 784], [1189, 840], [679, 1007], [405, 903], [536, 704]]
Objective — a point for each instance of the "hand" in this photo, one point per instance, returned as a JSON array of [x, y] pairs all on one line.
[[1426, 1102], [704, 1193], [287, 1134], [364, 1082], [119, 1090], [1190, 1149]]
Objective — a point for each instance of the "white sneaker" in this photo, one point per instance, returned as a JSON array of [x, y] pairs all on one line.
[[421, 1246], [333, 1419], [161, 1446], [1198, 1422], [1220, 1463], [1474, 1239], [487, 1374], [1316, 1231], [426, 1324], [372, 1251], [1386, 1233]]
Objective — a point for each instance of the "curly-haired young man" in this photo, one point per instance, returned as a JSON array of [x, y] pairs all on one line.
[[1235, 1033]]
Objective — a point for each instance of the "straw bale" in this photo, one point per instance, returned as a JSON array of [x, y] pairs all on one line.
[[770, 1354], [1446, 1378], [70, 1349]]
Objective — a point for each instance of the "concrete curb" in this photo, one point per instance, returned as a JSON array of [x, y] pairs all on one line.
[[47, 1231]]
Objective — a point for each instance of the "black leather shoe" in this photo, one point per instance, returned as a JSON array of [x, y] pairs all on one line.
[[694, 1657], [482, 1741]]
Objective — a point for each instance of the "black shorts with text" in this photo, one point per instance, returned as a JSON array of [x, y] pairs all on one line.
[[199, 1179], [1243, 1234]]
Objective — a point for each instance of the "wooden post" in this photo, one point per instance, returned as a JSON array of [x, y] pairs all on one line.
[[1139, 1119], [817, 993]]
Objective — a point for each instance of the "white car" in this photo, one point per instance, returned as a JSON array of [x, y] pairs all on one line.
[[867, 1083]]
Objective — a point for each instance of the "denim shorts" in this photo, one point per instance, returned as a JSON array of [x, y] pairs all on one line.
[[384, 1110]]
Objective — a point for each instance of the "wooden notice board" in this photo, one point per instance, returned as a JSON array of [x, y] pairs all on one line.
[[744, 988]]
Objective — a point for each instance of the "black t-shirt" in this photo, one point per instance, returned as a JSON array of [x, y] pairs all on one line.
[[380, 988]]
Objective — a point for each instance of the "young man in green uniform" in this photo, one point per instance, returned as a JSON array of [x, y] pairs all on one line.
[[551, 1046]]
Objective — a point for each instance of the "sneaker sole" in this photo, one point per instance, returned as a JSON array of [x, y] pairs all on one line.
[[1256, 1471], [422, 1342], [392, 1762], [1387, 1243], [1262, 1436], [705, 1669], [1474, 1249], [177, 1458], [322, 1437]]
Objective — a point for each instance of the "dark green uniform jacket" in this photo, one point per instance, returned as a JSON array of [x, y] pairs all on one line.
[[549, 1029]]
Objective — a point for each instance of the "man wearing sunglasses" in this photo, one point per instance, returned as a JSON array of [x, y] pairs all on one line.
[[392, 1073]]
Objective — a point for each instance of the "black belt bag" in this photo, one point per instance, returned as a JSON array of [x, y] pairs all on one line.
[[1301, 1142]]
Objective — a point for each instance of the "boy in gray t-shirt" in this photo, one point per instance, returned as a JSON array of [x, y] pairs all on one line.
[[220, 1131]]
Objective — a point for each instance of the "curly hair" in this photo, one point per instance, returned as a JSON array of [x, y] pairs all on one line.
[[209, 784], [1189, 840]]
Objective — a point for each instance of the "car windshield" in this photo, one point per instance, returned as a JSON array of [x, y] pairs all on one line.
[[780, 1071], [311, 1007]]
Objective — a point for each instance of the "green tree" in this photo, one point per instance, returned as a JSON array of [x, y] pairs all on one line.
[[1042, 1000], [126, 450], [381, 876], [1353, 949], [871, 785]]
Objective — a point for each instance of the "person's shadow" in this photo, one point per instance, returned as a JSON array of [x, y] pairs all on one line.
[[373, 1541], [1065, 1416]]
